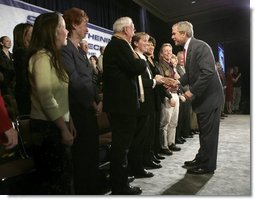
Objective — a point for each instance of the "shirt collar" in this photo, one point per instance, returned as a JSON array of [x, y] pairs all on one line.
[[141, 55], [186, 46]]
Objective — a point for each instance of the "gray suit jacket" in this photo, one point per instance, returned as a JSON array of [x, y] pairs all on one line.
[[81, 88], [202, 77]]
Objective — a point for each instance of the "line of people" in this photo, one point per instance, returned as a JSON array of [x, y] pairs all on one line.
[[148, 102], [136, 107]]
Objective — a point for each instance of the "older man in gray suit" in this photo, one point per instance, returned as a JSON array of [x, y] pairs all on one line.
[[205, 93]]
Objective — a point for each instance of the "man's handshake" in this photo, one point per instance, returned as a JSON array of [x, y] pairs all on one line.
[[169, 82]]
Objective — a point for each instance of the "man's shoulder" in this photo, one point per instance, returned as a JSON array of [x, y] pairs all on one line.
[[198, 42]]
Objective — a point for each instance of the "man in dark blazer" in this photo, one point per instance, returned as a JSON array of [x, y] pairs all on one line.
[[120, 101], [205, 92]]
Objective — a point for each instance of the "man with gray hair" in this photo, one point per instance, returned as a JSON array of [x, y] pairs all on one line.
[[121, 100], [205, 93]]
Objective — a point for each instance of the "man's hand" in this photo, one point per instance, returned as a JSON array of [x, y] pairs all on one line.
[[170, 82], [159, 79], [182, 98], [188, 95]]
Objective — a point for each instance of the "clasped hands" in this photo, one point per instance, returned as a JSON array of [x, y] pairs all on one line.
[[170, 82], [166, 81]]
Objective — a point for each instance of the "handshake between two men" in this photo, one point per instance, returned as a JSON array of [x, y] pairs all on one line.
[[171, 83]]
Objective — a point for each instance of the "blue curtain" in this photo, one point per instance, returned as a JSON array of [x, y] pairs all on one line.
[[101, 12]]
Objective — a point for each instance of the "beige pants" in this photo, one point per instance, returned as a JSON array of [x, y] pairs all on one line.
[[193, 120], [168, 122]]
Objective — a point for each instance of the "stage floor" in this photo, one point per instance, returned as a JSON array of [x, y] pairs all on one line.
[[233, 174]]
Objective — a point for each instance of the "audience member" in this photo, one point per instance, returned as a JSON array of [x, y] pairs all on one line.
[[223, 82], [7, 73], [97, 73], [84, 104], [51, 126], [154, 146], [8, 135], [170, 106], [229, 90], [237, 92], [183, 127], [100, 58], [84, 46], [121, 100], [205, 93], [21, 38], [139, 156]]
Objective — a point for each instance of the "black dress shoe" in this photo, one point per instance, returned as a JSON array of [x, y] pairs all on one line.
[[179, 141], [223, 115], [188, 136], [198, 170], [166, 152], [142, 173], [173, 147], [183, 139], [152, 165], [130, 190], [131, 179], [192, 163], [154, 159], [159, 157]]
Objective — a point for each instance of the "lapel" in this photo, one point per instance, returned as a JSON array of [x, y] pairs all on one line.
[[188, 57], [189, 53], [180, 70], [81, 55]]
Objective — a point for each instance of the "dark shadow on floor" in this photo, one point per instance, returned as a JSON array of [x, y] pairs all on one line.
[[189, 185]]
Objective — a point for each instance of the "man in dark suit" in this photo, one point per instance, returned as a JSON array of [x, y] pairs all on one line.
[[121, 100], [205, 92]]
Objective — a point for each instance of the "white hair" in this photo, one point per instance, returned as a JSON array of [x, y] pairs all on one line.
[[120, 23]]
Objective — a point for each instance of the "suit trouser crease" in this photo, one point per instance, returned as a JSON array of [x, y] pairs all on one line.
[[136, 152], [123, 130], [208, 123]]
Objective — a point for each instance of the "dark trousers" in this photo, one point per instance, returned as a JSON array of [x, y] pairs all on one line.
[[150, 138], [141, 138], [157, 145], [183, 127], [85, 152], [123, 130], [209, 123], [52, 160]]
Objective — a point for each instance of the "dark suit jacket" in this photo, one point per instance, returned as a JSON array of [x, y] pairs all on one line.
[[181, 73], [158, 88], [148, 106], [202, 77], [81, 88], [22, 87], [120, 78]]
